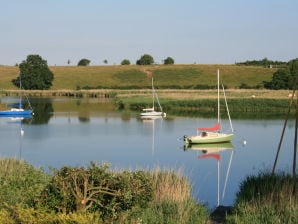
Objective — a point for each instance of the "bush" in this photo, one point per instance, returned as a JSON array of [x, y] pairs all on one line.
[[17, 214], [84, 62], [95, 188], [20, 182]]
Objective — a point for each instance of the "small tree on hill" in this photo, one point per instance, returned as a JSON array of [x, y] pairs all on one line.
[[168, 61], [125, 62], [146, 59], [34, 74], [84, 62]]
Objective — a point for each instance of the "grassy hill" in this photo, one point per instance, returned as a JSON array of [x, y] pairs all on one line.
[[138, 77]]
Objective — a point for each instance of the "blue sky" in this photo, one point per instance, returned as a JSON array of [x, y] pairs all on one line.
[[190, 31]]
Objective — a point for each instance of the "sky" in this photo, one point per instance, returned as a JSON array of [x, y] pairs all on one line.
[[189, 31]]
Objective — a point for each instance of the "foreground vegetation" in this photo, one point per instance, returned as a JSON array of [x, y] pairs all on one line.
[[95, 194], [267, 198]]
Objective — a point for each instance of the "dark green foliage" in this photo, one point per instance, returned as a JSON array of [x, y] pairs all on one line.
[[43, 111], [169, 61], [264, 62], [208, 107], [95, 188], [125, 62], [145, 59], [293, 65], [34, 74], [245, 86], [282, 79], [84, 62]]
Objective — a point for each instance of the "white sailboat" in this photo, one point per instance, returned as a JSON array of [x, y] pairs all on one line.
[[213, 134], [151, 112]]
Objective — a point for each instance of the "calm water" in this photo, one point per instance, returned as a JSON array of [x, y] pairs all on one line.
[[75, 132]]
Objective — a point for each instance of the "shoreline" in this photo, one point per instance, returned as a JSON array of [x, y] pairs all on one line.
[[177, 94]]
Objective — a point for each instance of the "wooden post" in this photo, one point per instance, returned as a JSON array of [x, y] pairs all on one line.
[[283, 130], [295, 141]]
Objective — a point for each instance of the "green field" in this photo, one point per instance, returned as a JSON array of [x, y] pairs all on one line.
[[138, 77]]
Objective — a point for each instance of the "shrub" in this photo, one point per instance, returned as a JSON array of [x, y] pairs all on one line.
[[20, 182], [17, 214], [95, 188]]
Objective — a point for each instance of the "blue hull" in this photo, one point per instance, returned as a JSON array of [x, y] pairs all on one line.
[[15, 113]]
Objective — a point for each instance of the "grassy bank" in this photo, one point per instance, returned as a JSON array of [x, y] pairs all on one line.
[[137, 77], [267, 198]]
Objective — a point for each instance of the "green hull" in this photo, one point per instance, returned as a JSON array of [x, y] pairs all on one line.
[[213, 138], [208, 147]]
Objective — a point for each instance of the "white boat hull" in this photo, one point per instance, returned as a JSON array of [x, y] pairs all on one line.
[[152, 114]]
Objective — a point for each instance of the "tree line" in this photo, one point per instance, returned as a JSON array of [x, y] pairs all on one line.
[[145, 59], [265, 62]]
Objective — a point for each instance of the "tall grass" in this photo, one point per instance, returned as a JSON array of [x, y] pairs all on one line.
[[267, 198], [170, 186], [172, 202]]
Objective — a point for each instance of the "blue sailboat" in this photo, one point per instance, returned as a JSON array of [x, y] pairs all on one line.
[[17, 108]]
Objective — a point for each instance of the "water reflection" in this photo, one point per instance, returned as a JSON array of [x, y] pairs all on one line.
[[150, 120], [43, 111], [214, 153], [19, 122]]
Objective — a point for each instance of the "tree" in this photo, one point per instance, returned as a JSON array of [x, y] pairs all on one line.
[[34, 74], [105, 61], [125, 62], [281, 79], [284, 78], [293, 65], [146, 59], [168, 61], [84, 62]]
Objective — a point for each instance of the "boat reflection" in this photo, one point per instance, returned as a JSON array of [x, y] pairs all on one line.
[[215, 152], [150, 120], [208, 148], [19, 120]]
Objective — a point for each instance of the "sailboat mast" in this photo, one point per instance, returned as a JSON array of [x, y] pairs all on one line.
[[152, 93], [218, 104], [20, 100]]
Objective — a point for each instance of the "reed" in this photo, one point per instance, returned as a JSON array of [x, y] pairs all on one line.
[[170, 186], [172, 202], [267, 198]]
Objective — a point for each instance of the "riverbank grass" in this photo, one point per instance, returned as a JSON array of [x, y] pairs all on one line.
[[267, 198]]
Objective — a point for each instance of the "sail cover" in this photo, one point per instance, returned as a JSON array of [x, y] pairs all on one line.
[[214, 128]]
